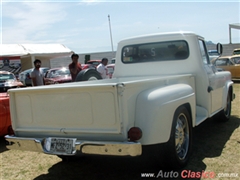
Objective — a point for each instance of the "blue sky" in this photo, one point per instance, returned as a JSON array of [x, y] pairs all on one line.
[[83, 26]]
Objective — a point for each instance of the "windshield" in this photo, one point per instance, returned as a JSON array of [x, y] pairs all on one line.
[[235, 52], [236, 60], [58, 73], [4, 77], [160, 51]]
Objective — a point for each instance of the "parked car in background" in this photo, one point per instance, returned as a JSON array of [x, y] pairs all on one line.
[[1, 65], [25, 78], [91, 64], [236, 59], [110, 69], [8, 80], [236, 51], [213, 54], [229, 63], [113, 60], [57, 75], [5, 121]]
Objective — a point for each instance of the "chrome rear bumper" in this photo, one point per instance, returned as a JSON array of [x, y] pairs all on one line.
[[85, 147]]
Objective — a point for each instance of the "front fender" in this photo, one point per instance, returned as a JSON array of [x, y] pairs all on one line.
[[155, 110]]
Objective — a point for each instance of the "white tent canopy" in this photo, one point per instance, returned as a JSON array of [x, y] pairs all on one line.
[[12, 50], [54, 50], [29, 52]]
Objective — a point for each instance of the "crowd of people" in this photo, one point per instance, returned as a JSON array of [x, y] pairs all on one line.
[[74, 68]]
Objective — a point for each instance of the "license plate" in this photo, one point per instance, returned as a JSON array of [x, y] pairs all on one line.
[[64, 146]]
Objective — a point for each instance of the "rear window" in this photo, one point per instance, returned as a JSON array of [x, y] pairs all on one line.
[[160, 51]]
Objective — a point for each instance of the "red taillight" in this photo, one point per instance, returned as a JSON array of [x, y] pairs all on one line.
[[10, 130], [134, 134]]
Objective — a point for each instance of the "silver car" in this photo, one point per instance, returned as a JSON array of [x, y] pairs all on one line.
[[25, 78]]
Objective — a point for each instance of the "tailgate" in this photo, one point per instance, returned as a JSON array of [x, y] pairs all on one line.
[[75, 109]]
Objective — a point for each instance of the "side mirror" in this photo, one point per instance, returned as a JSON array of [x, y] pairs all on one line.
[[219, 48]]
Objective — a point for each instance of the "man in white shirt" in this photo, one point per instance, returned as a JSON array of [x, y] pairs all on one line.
[[101, 68]]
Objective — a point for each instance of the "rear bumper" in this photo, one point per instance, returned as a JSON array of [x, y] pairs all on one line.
[[85, 147]]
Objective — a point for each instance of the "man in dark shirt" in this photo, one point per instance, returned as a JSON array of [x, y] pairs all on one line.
[[74, 67]]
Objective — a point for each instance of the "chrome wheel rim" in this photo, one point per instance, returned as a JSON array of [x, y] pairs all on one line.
[[182, 136], [92, 78]]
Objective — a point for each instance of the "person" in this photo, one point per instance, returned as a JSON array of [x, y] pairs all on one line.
[[101, 68], [37, 76], [74, 67]]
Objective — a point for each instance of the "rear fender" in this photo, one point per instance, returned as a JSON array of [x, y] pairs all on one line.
[[155, 109]]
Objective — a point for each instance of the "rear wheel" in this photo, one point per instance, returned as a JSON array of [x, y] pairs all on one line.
[[88, 75], [175, 153], [179, 145]]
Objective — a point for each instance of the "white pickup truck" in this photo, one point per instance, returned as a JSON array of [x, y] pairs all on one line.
[[162, 87]]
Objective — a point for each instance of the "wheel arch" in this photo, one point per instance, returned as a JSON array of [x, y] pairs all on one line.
[[228, 89], [155, 115], [189, 109]]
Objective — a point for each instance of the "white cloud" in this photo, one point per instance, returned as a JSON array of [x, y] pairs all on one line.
[[30, 20], [89, 2], [83, 25]]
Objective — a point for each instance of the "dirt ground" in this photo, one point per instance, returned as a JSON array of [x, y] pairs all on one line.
[[216, 149]]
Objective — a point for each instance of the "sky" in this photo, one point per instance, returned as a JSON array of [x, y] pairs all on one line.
[[97, 26]]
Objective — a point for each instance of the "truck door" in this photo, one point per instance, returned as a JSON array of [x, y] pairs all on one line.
[[216, 83]]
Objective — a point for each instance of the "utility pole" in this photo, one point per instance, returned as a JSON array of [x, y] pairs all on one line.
[[110, 31]]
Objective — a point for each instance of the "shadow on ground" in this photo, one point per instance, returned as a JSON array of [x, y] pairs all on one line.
[[209, 141], [2, 144]]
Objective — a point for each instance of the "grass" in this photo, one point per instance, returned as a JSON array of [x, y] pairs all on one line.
[[216, 149]]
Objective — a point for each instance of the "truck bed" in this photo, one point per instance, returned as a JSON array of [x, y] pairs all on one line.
[[93, 110], [73, 109]]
